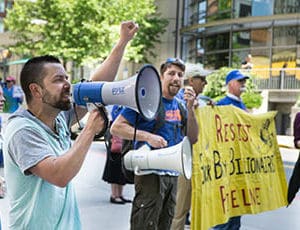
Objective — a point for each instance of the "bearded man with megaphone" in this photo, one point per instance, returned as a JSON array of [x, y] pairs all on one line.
[[155, 193], [40, 159]]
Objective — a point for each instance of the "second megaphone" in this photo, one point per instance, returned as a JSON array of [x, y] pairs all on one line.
[[141, 92], [178, 157]]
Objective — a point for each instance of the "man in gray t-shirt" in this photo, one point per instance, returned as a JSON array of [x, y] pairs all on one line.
[[39, 159]]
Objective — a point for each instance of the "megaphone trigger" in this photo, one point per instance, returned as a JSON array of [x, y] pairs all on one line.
[[92, 106]]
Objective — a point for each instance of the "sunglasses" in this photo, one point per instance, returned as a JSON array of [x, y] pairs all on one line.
[[8, 81], [175, 60], [242, 80]]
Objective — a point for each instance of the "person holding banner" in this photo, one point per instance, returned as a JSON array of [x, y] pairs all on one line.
[[197, 80], [155, 191], [294, 185], [296, 129], [236, 85], [40, 167]]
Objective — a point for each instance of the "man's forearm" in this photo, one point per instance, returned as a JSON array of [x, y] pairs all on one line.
[[109, 68], [192, 126]]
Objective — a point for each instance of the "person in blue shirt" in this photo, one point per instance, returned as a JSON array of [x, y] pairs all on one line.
[[13, 94], [155, 193], [236, 85]]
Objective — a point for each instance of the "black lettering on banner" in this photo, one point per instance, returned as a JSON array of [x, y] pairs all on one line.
[[217, 165]]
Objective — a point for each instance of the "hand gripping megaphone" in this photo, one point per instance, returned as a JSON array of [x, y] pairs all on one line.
[[142, 92], [177, 157]]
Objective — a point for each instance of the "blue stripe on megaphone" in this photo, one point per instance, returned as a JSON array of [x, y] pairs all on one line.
[[87, 92]]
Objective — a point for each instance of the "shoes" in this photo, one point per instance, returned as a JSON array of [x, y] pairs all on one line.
[[187, 221], [125, 200], [187, 225], [116, 200]]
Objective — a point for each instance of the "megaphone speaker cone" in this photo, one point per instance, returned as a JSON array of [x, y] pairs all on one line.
[[148, 92], [187, 158]]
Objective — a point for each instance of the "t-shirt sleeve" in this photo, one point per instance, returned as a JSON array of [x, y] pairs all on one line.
[[34, 148], [130, 115]]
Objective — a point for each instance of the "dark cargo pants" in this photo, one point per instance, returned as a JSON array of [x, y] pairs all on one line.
[[154, 202]]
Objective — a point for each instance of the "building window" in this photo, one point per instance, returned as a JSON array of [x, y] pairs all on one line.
[[1, 25], [218, 10], [2, 6], [217, 42], [262, 8], [241, 39], [202, 12], [286, 7], [217, 60], [261, 37], [285, 35], [242, 8], [9, 4], [246, 8]]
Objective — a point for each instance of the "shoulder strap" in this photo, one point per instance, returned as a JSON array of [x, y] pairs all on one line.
[[183, 114], [160, 118]]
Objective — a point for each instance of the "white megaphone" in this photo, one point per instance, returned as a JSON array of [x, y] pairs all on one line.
[[142, 92], [177, 157]]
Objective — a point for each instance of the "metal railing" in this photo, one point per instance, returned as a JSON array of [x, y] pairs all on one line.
[[275, 78]]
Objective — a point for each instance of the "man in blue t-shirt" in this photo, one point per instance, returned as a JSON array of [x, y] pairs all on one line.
[[236, 85], [155, 193]]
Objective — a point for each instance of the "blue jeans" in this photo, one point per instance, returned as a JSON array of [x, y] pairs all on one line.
[[234, 223]]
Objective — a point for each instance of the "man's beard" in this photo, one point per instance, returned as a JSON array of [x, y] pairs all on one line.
[[58, 104], [173, 92], [243, 89]]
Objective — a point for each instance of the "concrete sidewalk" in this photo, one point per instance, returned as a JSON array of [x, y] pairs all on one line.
[[93, 196]]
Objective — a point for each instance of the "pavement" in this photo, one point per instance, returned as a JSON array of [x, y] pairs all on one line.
[[93, 196], [98, 213]]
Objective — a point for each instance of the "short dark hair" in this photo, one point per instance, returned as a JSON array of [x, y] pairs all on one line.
[[172, 61], [33, 72]]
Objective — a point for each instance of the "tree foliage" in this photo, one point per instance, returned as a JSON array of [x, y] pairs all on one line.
[[80, 30], [216, 88]]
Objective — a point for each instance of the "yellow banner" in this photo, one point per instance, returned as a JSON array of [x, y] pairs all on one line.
[[237, 167]]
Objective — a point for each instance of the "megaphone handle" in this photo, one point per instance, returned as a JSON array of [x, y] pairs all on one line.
[[103, 114], [139, 172]]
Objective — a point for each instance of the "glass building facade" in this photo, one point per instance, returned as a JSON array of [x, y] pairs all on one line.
[[4, 4], [221, 33]]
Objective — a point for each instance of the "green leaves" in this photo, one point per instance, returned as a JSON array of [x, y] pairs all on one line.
[[79, 30]]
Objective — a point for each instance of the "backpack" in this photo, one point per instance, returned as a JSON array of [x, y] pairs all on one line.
[[129, 144]]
